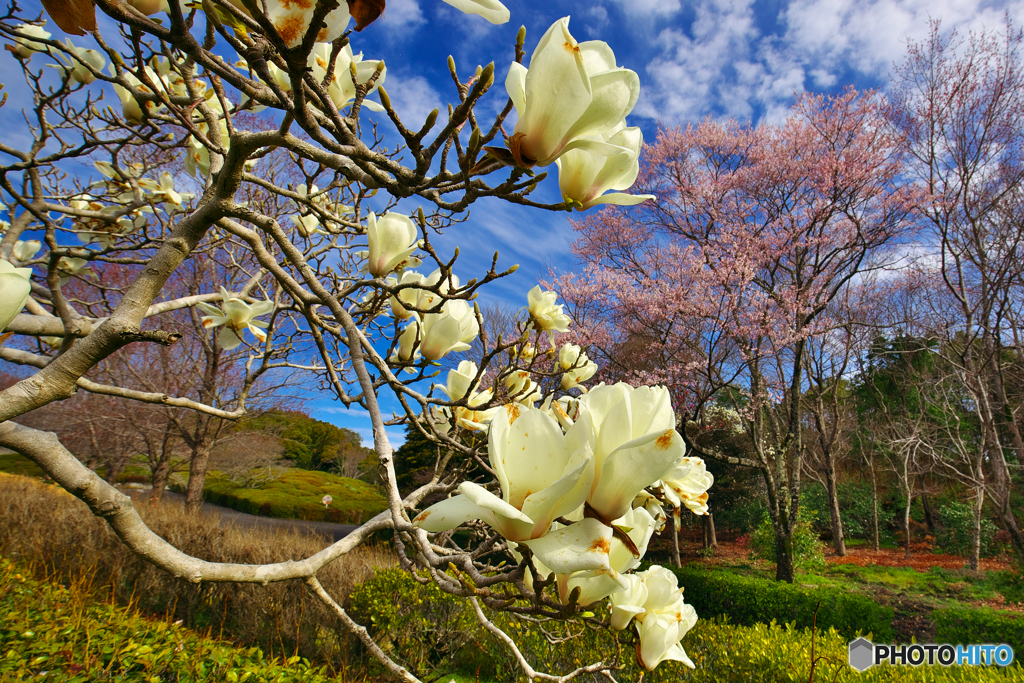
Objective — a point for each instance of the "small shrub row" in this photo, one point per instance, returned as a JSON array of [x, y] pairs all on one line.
[[962, 625], [51, 632], [414, 618], [298, 494], [746, 600]]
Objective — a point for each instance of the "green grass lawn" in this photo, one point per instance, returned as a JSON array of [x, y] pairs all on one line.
[[297, 494]]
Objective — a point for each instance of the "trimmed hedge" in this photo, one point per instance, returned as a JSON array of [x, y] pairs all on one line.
[[963, 626], [747, 601], [405, 616], [296, 494]]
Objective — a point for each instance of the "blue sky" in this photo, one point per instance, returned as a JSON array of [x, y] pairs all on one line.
[[739, 59]]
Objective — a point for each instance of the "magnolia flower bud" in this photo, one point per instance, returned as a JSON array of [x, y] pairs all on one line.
[[25, 47], [76, 70], [584, 177], [450, 330], [15, 286], [392, 239], [24, 251]]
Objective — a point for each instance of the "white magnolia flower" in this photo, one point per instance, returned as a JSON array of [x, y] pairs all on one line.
[[392, 239], [542, 477], [307, 226], [584, 177], [406, 297], [687, 485], [575, 366], [25, 250], [629, 602], [163, 191], [197, 159], [598, 584], [342, 89], [292, 20], [653, 598], [521, 387], [570, 91], [236, 317], [26, 47], [133, 110], [647, 501], [408, 341], [77, 67], [491, 10], [69, 267], [460, 385], [15, 286], [544, 313], [450, 330], [635, 442]]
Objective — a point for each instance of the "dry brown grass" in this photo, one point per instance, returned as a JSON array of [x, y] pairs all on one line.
[[56, 534]]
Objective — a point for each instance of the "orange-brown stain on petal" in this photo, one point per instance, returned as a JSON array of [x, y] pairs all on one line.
[[301, 4], [513, 412], [291, 28], [665, 440], [422, 516], [572, 46], [601, 545]]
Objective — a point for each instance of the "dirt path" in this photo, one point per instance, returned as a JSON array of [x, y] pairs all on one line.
[[229, 517]]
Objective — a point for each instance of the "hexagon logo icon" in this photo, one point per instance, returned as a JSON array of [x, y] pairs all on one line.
[[862, 654]]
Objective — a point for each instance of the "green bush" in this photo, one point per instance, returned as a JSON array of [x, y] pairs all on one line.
[[963, 626], [394, 606], [55, 633], [418, 625], [956, 534], [746, 600], [808, 550], [855, 509], [297, 494]]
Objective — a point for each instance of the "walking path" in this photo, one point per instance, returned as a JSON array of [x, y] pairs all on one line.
[[229, 517]]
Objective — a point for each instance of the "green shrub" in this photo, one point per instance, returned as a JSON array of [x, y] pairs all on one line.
[[418, 625], [393, 606], [855, 509], [297, 494], [808, 550], [61, 631], [957, 532], [962, 625], [746, 600]]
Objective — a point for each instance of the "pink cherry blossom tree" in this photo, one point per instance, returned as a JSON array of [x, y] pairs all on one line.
[[722, 287]]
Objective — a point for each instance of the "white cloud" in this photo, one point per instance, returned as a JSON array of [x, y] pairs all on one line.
[[401, 15], [646, 8], [413, 97], [723, 64]]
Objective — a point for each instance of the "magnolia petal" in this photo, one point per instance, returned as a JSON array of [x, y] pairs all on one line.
[[633, 467], [614, 95], [487, 500], [14, 291], [491, 10], [620, 199], [229, 339], [452, 512], [517, 432], [561, 497], [515, 86], [558, 94], [580, 547]]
